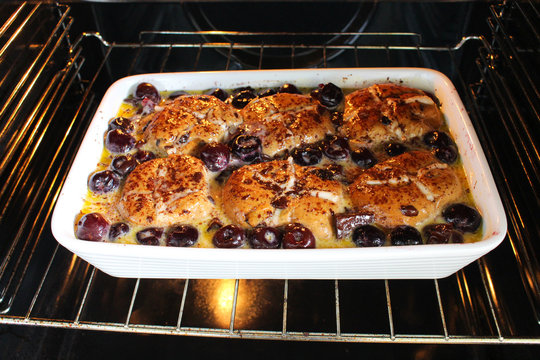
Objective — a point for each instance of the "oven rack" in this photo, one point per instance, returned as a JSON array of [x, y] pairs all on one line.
[[52, 85]]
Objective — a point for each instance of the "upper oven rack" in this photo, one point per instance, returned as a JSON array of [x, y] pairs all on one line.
[[52, 85]]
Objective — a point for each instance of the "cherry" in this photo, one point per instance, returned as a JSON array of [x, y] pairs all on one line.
[[447, 154], [117, 230], [463, 217], [242, 98], [215, 156], [328, 95], [337, 148], [265, 238], [148, 91], [405, 235], [123, 164], [297, 236], [395, 149], [307, 155], [288, 89], [149, 236], [267, 92], [183, 236], [119, 141], [122, 123], [246, 147], [368, 236], [441, 234], [363, 157], [230, 236], [92, 227], [436, 139], [177, 94], [102, 182], [144, 156], [218, 93]]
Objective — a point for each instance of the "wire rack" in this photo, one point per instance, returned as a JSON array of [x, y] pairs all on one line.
[[51, 86]]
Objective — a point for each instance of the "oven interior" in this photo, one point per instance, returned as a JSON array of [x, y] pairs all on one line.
[[58, 59]]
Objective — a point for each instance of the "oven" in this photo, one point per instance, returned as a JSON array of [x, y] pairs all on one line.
[[58, 58]]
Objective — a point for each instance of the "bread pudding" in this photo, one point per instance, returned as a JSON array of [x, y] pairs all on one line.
[[279, 168]]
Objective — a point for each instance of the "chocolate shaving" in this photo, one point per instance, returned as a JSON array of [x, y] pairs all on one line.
[[409, 210], [280, 202]]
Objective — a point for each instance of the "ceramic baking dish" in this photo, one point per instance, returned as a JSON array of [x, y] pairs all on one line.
[[388, 262]]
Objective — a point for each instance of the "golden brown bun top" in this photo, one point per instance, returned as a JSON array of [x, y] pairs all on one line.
[[284, 121], [414, 179], [388, 112]]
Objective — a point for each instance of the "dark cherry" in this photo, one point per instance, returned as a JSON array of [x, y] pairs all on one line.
[[328, 95], [297, 236], [336, 148], [177, 94], [230, 236], [395, 149], [368, 236], [182, 236], [463, 217], [265, 238], [447, 154], [363, 157], [121, 123], [441, 234], [436, 139], [267, 92], [148, 91], [225, 174], [144, 156], [218, 93], [243, 88], [92, 227], [246, 147], [324, 174], [102, 182], [385, 120], [289, 89], [242, 98], [124, 164], [150, 236], [307, 155], [337, 118], [215, 156], [118, 229], [118, 141], [405, 235]]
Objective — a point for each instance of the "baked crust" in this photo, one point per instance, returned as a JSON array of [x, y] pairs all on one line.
[[188, 122], [284, 121], [388, 112], [279, 192], [167, 191], [394, 189]]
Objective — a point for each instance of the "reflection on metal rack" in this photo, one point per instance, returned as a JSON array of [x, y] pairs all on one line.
[[46, 113]]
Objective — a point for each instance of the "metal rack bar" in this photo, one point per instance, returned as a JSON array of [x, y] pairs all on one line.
[[268, 335], [182, 305], [389, 309], [44, 207], [338, 316]]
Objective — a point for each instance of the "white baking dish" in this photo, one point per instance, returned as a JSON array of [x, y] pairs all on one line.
[[389, 262]]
